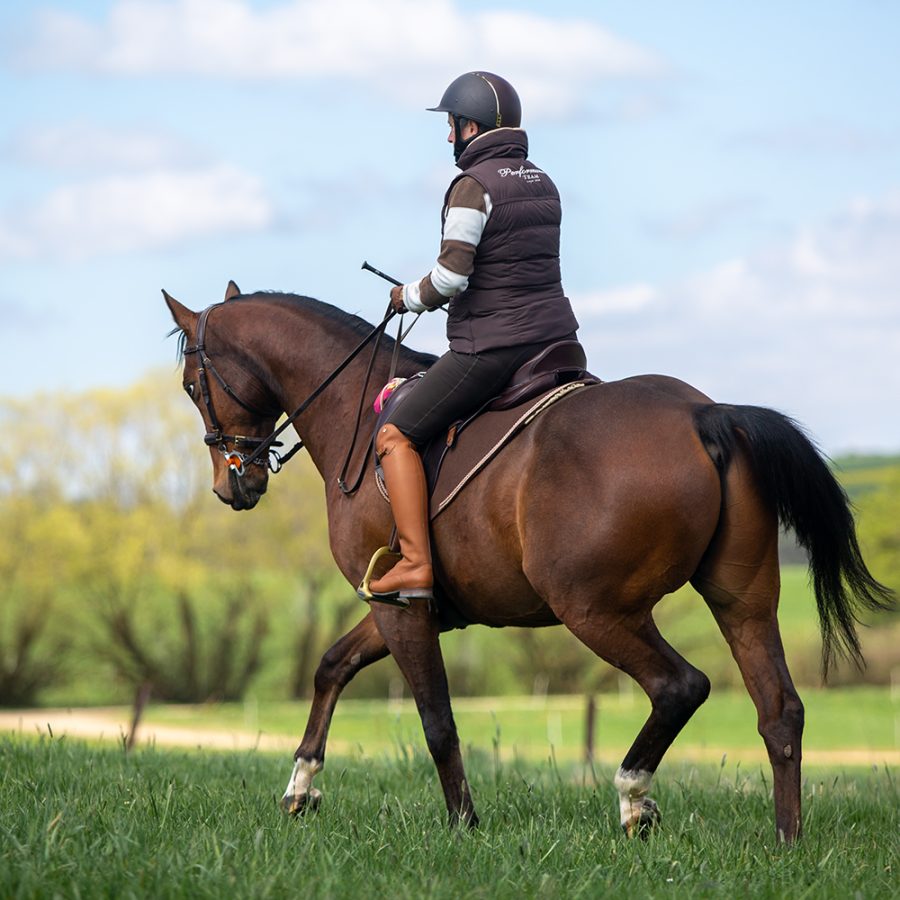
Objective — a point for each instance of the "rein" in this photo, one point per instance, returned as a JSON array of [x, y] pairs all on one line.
[[401, 336], [263, 452]]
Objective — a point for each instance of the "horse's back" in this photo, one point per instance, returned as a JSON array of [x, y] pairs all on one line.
[[634, 423]]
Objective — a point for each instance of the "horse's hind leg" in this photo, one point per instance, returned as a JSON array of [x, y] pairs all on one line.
[[676, 689], [748, 622], [354, 651], [739, 579]]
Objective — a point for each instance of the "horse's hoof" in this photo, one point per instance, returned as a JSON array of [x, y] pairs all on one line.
[[297, 804], [649, 818]]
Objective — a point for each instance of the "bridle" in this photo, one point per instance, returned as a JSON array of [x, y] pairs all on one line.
[[236, 460], [262, 450]]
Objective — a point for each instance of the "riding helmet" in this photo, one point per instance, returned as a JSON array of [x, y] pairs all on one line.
[[484, 98]]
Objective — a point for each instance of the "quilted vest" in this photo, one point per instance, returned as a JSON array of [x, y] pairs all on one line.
[[515, 293]]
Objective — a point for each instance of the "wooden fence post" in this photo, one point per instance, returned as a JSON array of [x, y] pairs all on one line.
[[589, 728]]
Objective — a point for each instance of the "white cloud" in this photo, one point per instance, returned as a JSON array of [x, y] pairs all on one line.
[[127, 212], [630, 298], [89, 147], [394, 44], [811, 327]]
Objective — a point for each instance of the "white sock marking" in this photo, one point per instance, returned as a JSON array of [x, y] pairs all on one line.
[[632, 787], [301, 777]]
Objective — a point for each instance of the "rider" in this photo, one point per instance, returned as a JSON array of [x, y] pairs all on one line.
[[499, 270]]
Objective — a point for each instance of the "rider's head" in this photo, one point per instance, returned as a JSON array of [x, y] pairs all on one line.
[[477, 102]]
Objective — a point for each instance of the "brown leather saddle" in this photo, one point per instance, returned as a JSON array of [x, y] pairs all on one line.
[[557, 364]]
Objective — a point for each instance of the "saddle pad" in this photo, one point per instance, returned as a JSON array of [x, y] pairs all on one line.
[[451, 468]]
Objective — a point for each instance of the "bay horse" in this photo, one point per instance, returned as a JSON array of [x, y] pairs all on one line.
[[613, 497]]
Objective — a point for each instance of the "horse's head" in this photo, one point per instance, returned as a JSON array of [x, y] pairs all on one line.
[[235, 405]]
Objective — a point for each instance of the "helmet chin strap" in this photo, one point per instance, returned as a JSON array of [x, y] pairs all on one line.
[[460, 143]]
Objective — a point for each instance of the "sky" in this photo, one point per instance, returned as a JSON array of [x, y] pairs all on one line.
[[729, 177]]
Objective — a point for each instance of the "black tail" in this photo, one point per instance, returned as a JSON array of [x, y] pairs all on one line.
[[793, 476]]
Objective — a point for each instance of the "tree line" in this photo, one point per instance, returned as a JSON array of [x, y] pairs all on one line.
[[120, 569]]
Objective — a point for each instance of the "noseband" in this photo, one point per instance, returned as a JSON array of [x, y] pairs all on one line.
[[217, 438]]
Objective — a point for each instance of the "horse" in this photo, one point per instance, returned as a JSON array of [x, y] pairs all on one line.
[[612, 498]]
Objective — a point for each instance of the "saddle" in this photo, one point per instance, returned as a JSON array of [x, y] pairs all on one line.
[[451, 460], [557, 364]]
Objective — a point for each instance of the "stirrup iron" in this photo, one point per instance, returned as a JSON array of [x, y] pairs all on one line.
[[395, 598], [363, 591]]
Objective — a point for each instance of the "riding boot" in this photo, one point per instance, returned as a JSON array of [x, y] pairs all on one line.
[[404, 477]]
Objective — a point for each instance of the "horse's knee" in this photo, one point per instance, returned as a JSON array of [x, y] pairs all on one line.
[[335, 669], [328, 673], [388, 438]]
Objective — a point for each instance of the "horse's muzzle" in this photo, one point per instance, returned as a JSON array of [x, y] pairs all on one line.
[[241, 493]]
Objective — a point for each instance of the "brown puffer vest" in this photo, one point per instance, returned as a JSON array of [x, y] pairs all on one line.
[[515, 293]]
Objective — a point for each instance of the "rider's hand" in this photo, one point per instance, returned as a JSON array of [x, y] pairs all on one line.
[[397, 299]]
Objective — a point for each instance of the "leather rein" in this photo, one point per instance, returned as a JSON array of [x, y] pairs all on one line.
[[262, 451]]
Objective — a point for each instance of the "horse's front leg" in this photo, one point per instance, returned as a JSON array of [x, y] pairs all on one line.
[[354, 651], [412, 636]]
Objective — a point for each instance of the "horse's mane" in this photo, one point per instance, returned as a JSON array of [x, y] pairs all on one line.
[[324, 310]]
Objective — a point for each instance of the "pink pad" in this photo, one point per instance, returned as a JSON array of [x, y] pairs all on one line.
[[386, 392]]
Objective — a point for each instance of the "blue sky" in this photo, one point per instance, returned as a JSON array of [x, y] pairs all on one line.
[[729, 178]]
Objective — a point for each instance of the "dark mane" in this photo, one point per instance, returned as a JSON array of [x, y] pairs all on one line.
[[325, 310]]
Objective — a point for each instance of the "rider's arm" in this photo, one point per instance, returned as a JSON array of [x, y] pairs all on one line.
[[468, 208]]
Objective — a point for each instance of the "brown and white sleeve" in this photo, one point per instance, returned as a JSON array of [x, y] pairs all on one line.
[[468, 208]]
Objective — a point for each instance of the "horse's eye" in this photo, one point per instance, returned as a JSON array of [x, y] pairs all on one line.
[[189, 387]]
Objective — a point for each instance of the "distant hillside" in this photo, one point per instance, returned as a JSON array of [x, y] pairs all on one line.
[[864, 478], [862, 475]]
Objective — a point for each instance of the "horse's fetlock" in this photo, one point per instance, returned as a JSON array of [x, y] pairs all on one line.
[[300, 784]]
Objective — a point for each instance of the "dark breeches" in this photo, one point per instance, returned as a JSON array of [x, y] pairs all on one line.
[[455, 387]]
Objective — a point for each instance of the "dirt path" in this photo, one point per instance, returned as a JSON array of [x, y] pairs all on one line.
[[112, 724]]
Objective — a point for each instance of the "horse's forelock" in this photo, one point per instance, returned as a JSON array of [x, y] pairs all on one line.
[[181, 342]]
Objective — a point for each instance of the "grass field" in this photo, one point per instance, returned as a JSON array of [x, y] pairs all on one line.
[[82, 821], [840, 725]]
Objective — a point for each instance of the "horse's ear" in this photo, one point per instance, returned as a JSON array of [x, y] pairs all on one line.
[[184, 318], [232, 291]]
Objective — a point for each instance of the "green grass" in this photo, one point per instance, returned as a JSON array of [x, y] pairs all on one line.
[[849, 719], [78, 821]]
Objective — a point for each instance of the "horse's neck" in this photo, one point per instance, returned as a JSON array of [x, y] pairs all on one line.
[[307, 350]]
